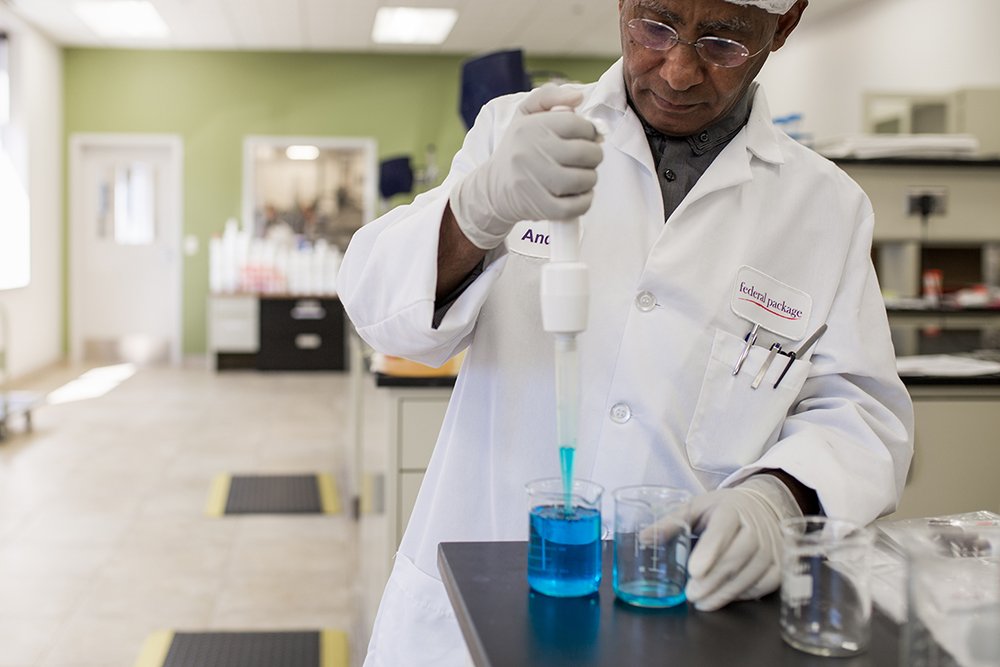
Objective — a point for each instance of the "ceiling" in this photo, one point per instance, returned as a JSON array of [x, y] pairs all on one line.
[[540, 27]]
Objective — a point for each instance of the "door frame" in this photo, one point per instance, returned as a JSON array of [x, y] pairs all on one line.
[[174, 189]]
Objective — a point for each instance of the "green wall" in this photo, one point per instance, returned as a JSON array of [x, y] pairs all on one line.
[[213, 99]]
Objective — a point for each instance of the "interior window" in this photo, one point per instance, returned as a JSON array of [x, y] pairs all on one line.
[[127, 204]]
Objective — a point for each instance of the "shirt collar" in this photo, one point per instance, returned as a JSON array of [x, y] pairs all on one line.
[[761, 139], [717, 134]]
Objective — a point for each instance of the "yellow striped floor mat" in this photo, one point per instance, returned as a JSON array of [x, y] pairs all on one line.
[[273, 494]]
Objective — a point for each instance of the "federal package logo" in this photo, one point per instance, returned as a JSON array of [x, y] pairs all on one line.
[[775, 306]]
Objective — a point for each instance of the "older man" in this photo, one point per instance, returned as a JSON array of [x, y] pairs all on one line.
[[701, 223]]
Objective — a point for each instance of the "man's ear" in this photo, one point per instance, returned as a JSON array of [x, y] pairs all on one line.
[[786, 23]]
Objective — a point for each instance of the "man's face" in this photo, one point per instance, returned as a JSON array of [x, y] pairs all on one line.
[[676, 91]]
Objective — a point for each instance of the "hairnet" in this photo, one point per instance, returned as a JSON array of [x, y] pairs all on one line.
[[772, 6]]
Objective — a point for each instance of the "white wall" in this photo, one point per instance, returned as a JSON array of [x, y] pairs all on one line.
[[35, 311], [881, 45]]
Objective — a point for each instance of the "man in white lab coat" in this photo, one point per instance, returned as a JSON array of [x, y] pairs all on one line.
[[700, 223]]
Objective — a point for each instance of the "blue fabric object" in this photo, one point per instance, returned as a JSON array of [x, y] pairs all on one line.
[[395, 176], [489, 76]]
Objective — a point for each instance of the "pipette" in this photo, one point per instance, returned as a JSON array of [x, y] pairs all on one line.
[[565, 296]]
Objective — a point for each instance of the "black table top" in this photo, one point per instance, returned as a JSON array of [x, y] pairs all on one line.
[[506, 624]]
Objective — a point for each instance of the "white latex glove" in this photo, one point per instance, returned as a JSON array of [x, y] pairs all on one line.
[[738, 555], [544, 168]]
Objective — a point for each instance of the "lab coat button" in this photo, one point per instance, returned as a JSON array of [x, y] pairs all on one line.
[[645, 301], [620, 413]]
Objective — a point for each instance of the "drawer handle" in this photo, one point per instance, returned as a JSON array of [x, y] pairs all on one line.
[[308, 310], [308, 341]]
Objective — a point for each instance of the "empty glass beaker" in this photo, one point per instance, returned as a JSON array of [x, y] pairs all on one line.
[[826, 585]]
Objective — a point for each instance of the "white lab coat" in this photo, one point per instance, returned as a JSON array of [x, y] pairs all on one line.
[[659, 401]]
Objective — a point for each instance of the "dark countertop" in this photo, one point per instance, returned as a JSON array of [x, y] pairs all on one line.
[[986, 161], [391, 381], [505, 624], [969, 311], [384, 380]]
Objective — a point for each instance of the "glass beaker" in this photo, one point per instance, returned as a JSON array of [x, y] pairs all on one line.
[[826, 585], [564, 545], [652, 542], [953, 596]]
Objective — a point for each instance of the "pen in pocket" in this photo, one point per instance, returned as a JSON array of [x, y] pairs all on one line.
[[749, 340], [799, 352]]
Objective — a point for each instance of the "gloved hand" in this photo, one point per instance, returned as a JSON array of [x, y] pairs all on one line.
[[738, 555], [544, 168]]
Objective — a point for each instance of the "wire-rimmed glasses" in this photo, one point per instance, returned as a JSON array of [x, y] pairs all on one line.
[[717, 51]]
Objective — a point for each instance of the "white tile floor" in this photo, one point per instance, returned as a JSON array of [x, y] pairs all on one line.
[[103, 532]]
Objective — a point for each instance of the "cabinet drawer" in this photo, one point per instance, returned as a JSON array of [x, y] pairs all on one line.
[[419, 421], [280, 316], [232, 324], [301, 334]]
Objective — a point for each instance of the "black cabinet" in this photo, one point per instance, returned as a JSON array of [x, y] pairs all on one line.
[[301, 334]]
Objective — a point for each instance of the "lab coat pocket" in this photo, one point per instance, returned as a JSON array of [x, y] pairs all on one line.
[[733, 423]]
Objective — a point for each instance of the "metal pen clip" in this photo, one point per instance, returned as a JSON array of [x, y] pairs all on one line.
[[750, 339], [775, 349]]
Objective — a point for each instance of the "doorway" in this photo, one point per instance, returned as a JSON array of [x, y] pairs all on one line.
[[125, 248]]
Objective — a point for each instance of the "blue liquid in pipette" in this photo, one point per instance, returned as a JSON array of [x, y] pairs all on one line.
[[564, 551], [566, 464]]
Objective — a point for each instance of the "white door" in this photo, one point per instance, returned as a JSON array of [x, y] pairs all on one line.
[[125, 231]]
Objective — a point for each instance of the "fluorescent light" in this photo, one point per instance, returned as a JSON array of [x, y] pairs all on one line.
[[302, 152], [115, 19], [411, 25]]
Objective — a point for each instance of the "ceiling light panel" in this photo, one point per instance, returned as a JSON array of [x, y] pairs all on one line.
[[122, 19], [413, 25]]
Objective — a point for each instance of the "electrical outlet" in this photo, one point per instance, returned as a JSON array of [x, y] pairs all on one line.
[[926, 201]]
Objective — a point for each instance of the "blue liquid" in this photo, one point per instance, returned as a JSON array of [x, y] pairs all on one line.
[[650, 576], [566, 465], [564, 551], [643, 593]]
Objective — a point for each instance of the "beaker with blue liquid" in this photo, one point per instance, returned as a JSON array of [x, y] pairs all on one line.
[[564, 545]]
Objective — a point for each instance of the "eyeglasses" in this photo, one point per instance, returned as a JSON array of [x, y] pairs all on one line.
[[717, 51]]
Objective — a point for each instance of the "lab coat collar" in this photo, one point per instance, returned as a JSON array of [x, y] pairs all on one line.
[[608, 102], [610, 91], [762, 136]]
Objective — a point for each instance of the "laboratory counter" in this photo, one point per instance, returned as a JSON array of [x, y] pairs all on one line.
[[504, 623], [917, 338]]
